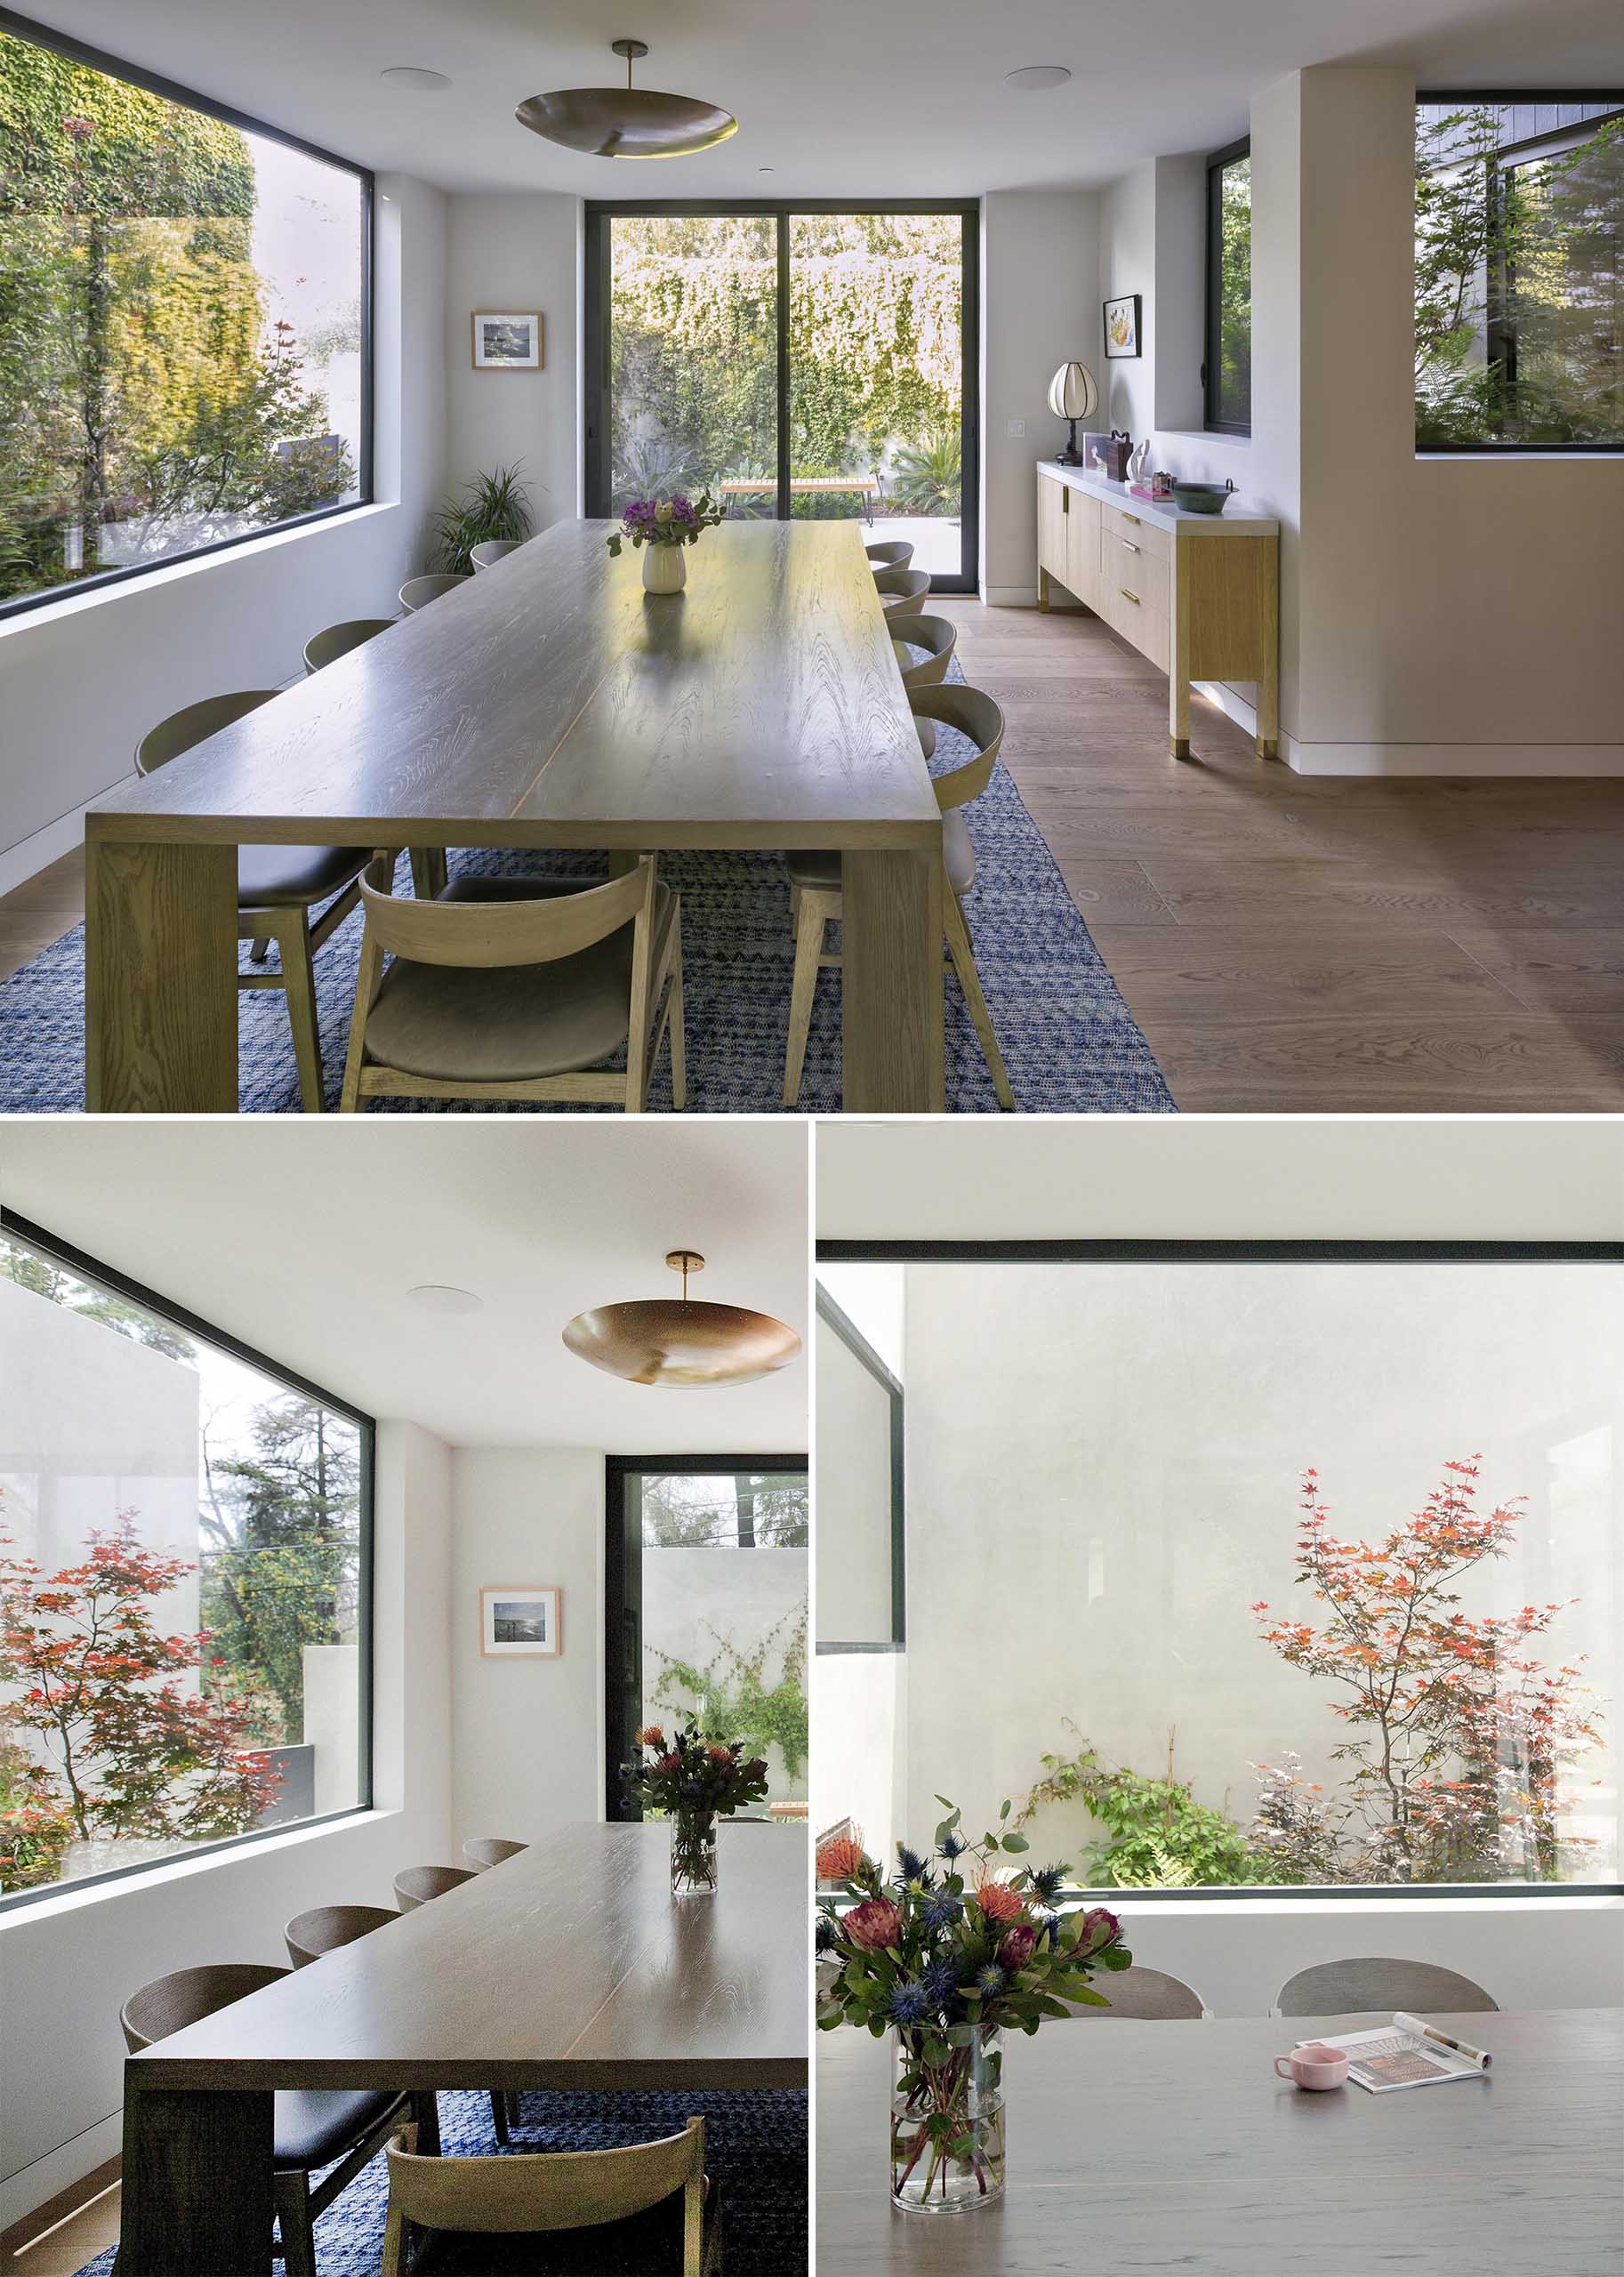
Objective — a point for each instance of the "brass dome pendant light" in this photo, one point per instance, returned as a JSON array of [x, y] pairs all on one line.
[[627, 121], [679, 1341]]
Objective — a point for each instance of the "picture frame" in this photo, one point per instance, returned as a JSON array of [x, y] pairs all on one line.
[[1123, 335], [504, 342], [520, 1620]]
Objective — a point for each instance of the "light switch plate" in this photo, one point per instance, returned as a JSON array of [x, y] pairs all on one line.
[[1017, 426]]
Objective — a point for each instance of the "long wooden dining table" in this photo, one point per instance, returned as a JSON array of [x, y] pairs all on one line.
[[569, 1966], [549, 702], [1173, 2146]]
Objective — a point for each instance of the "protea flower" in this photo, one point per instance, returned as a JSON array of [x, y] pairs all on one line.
[[840, 1858], [651, 1735], [999, 1901], [717, 1753], [669, 1761], [1100, 1927], [873, 1925], [1018, 1946]]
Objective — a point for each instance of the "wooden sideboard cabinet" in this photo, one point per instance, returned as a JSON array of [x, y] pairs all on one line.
[[1197, 594]]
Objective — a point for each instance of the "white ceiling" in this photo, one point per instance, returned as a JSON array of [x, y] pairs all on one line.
[[842, 98], [301, 1238]]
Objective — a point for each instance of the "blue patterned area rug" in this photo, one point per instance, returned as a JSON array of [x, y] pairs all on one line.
[[1070, 1042], [756, 2155]]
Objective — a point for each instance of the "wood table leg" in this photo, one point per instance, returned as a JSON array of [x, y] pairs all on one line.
[[891, 982], [196, 2198], [160, 978]]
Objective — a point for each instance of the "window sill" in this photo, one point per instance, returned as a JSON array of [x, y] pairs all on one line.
[[1221, 436], [52, 1904], [1373, 1905], [1579, 457], [71, 604]]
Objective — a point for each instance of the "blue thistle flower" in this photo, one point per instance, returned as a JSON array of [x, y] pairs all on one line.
[[1048, 1882], [941, 1981], [944, 1910], [909, 1866], [825, 1934], [989, 1980], [910, 2003], [952, 1847]]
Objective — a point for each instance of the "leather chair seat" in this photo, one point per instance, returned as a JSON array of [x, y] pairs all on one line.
[[511, 1023], [820, 870], [272, 877], [311, 2127]]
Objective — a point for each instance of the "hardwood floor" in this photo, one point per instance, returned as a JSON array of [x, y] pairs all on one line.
[[1303, 945], [1290, 944], [64, 2235]]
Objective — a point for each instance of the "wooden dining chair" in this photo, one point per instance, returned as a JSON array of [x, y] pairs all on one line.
[[493, 550], [278, 887], [325, 647], [1145, 1996], [903, 592], [891, 554], [341, 2129], [416, 1885], [326, 1928], [528, 2195], [814, 882], [507, 988], [937, 637], [488, 1850], [1348, 1988], [417, 592]]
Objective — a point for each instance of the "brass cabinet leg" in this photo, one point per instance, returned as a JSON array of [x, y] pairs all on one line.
[[891, 985], [160, 978], [1043, 590], [197, 2199]]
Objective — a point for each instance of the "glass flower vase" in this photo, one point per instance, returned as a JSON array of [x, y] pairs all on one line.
[[665, 568], [693, 1855], [947, 2123]]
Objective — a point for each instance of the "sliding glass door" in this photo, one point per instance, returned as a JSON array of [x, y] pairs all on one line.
[[809, 362]]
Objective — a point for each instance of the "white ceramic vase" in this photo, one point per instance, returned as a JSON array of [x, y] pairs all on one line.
[[664, 568]]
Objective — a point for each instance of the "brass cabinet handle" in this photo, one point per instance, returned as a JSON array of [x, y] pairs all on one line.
[[1134, 518], [1127, 596]]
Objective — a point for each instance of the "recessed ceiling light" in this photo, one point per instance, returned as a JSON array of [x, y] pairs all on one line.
[[767, 170], [1034, 76], [438, 1297], [407, 75]]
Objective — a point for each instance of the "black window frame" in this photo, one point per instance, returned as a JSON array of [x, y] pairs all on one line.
[[1212, 357], [851, 1335], [598, 302], [1105, 1250], [132, 75], [622, 1599], [1506, 97], [102, 1275]]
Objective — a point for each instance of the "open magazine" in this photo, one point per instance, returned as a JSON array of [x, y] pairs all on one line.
[[1407, 2053]]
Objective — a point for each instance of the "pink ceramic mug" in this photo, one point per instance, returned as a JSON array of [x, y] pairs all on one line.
[[1314, 2066]]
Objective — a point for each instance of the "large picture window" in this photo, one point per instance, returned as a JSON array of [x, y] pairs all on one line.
[[812, 363], [1227, 373], [185, 1537], [185, 323], [706, 1606], [1519, 273], [1245, 1568]]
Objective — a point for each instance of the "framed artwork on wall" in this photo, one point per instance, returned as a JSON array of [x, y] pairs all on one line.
[[507, 343], [519, 1618], [1122, 326]]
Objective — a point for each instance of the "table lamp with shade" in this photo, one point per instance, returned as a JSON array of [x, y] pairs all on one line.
[[1072, 396]]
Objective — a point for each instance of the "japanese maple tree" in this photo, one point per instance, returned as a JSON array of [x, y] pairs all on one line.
[[1462, 1730], [90, 1693]]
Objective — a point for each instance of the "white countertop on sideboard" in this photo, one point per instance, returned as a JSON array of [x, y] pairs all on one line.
[[1168, 516]]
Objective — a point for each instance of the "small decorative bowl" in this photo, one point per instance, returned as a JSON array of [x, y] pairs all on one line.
[[1202, 497]]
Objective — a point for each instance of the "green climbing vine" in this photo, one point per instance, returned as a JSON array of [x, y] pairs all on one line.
[[732, 1697]]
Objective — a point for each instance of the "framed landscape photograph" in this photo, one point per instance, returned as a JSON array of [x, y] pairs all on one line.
[[1122, 326], [520, 1617], [507, 343]]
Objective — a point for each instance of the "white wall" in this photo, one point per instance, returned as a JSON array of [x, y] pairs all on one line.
[[1038, 263], [518, 253], [83, 679], [68, 1962], [528, 1732], [852, 1541], [1439, 615], [860, 1745]]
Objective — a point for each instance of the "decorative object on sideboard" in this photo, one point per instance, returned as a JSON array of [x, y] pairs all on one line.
[[627, 121], [1138, 462], [1121, 318], [1113, 462], [506, 342], [519, 1620], [1162, 484], [1094, 453], [1072, 396], [1203, 497], [680, 1341]]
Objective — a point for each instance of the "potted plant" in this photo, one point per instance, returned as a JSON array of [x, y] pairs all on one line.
[[946, 1956], [694, 1781], [660, 528], [491, 506]]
